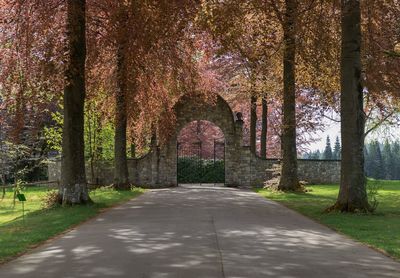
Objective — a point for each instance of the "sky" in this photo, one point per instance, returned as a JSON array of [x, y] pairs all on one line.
[[333, 129]]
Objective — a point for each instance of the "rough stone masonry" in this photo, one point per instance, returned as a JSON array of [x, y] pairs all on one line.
[[242, 168]]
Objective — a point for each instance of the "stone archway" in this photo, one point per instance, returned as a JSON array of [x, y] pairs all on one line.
[[194, 108], [242, 168]]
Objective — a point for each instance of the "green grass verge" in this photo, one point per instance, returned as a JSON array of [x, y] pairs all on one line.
[[17, 236], [380, 230]]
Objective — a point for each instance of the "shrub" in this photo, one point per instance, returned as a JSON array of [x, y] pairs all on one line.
[[50, 200], [196, 170]]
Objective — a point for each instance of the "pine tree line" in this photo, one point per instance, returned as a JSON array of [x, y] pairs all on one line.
[[382, 160], [328, 153]]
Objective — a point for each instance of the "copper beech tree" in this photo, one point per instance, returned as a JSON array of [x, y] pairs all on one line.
[[352, 194], [132, 63], [35, 68], [73, 187], [141, 68], [264, 35]]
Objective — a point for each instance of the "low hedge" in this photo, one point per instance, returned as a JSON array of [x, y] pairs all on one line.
[[195, 170]]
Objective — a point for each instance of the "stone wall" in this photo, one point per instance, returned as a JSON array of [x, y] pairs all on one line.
[[54, 170], [252, 171], [159, 167], [310, 171]]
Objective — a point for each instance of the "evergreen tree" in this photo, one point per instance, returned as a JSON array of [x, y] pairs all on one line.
[[396, 158], [337, 149], [388, 160], [377, 164], [328, 149], [382, 161], [314, 155], [367, 165]]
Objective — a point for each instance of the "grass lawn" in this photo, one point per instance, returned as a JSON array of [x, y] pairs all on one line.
[[17, 236], [380, 230]]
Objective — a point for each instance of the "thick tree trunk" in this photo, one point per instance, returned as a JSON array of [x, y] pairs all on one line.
[[121, 178], [289, 180], [73, 187], [352, 195], [253, 124], [264, 128]]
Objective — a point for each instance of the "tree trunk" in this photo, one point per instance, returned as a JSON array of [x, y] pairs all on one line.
[[253, 124], [264, 128], [73, 186], [121, 178], [289, 180], [352, 194], [133, 150]]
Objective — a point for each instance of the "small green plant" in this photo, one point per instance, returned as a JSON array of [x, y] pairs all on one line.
[[373, 188], [18, 188]]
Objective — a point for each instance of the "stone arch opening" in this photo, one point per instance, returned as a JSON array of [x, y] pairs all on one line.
[[201, 154], [191, 108]]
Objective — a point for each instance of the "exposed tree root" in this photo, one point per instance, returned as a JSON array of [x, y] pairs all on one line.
[[74, 195], [122, 186], [275, 185], [350, 208]]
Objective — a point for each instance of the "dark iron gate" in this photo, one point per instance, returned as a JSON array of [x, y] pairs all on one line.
[[201, 164]]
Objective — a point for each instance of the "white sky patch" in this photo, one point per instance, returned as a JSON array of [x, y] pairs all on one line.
[[332, 129]]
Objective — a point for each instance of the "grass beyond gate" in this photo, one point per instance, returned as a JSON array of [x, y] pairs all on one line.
[[380, 230], [17, 236]]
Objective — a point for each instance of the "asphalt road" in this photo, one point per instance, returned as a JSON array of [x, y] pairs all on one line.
[[201, 232]]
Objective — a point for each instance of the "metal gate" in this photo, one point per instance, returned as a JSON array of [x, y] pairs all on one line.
[[197, 163]]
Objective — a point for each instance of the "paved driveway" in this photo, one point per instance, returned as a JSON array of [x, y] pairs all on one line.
[[200, 232]]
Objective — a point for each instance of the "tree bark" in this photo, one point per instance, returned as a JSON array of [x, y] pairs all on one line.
[[352, 194], [121, 177], [73, 187], [253, 124], [264, 128], [133, 150], [289, 180]]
